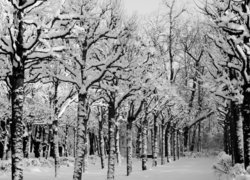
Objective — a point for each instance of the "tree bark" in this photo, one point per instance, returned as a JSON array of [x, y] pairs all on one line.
[[66, 141], [86, 154], [101, 138], [55, 145], [129, 146], [174, 133], [199, 138], [111, 134], [163, 143], [144, 142], [17, 96], [168, 142], [193, 139], [138, 141], [80, 136], [245, 113], [117, 145], [178, 144], [155, 144]]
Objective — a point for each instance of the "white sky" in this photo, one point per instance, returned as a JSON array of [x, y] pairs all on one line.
[[145, 7], [142, 7]]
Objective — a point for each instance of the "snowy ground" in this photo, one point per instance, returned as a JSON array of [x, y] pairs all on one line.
[[183, 169]]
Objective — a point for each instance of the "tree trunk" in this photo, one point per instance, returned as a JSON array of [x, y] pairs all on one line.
[[185, 136], [74, 142], [245, 113], [144, 143], [199, 138], [168, 142], [239, 146], [155, 145], [6, 143], [48, 133], [101, 140], [226, 134], [163, 143], [117, 145], [111, 134], [174, 133], [139, 142], [129, 146], [86, 154], [193, 139], [16, 123], [17, 96], [177, 144], [80, 136], [55, 145], [66, 141]]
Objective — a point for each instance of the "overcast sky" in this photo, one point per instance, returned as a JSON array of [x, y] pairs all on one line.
[[145, 7]]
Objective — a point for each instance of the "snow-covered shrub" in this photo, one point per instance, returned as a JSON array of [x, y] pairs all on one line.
[[224, 167], [5, 166]]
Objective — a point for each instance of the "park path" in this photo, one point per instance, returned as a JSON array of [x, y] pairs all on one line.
[[183, 169]]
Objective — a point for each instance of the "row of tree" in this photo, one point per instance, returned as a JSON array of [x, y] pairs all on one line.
[[81, 70]]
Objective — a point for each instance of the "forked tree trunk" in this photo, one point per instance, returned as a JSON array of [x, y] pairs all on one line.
[[155, 144], [129, 146], [80, 136], [101, 139], [144, 142], [111, 134]]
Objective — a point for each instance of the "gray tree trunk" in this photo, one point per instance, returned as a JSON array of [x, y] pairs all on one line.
[[144, 143], [80, 136]]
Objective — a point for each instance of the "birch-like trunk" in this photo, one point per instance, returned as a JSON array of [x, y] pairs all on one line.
[[111, 134], [86, 154], [17, 96], [82, 116]]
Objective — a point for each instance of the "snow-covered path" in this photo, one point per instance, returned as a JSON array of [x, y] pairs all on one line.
[[183, 169]]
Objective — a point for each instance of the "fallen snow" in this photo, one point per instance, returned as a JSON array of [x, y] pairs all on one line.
[[183, 169]]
